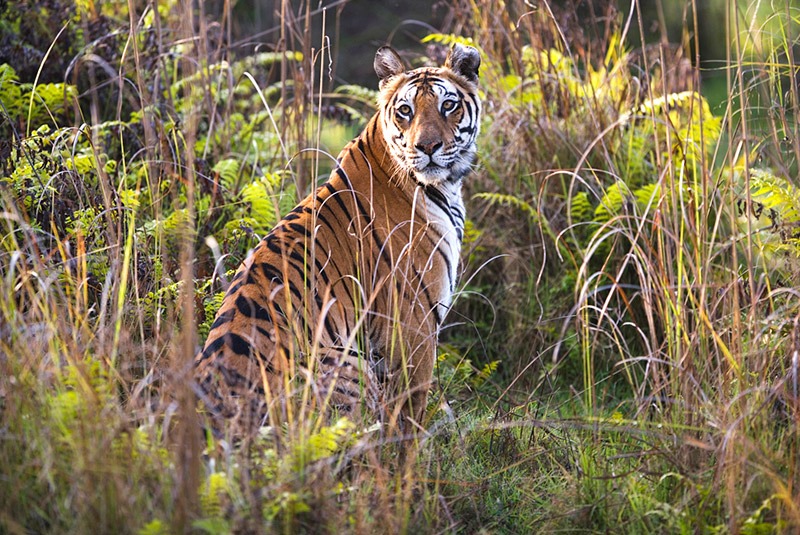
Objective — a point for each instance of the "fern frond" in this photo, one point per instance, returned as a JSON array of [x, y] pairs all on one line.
[[361, 94], [485, 373], [509, 200], [228, 171], [580, 210], [154, 527], [212, 493], [777, 194], [257, 193], [448, 39], [10, 92], [612, 202], [647, 195]]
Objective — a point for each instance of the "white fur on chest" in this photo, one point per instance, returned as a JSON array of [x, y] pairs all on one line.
[[445, 214]]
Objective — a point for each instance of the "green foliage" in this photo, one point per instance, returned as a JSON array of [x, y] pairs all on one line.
[[455, 372], [364, 99], [619, 359], [214, 493], [448, 39], [771, 221], [295, 469], [261, 194], [683, 119], [11, 91], [154, 527]]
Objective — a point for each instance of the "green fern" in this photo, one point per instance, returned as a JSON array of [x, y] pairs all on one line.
[[506, 199], [484, 373], [228, 170], [772, 218], [448, 39], [580, 210], [210, 307], [634, 158], [155, 527], [286, 503], [778, 196], [647, 195], [685, 118], [659, 105], [364, 95], [612, 203], [213, 493], [262, 209], [324, 443], [10, 91]]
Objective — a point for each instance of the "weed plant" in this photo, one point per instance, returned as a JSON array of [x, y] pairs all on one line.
[[623, 351]]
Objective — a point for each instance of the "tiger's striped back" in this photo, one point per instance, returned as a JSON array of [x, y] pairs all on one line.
[[348, 291]]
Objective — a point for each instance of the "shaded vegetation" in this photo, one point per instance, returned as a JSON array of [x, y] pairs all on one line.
[[622, 353]]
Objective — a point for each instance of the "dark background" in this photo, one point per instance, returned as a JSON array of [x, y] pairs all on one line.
[[356, 29]]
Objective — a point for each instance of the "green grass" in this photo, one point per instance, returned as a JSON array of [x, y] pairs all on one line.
[[621, 355]]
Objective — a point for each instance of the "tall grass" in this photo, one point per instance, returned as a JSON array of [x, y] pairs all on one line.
[[680, 318], [622, 354]]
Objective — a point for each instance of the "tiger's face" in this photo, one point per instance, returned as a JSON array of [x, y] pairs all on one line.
[[430, 116]]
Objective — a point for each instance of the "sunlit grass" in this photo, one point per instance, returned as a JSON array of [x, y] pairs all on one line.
[[621, 355]]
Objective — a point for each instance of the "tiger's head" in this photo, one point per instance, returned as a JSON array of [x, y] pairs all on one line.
[[430, 116]]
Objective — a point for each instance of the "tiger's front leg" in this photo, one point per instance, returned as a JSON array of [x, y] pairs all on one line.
[[410, 363], [420, 381]]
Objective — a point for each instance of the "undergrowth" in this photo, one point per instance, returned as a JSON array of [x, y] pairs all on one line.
[[621, 355]]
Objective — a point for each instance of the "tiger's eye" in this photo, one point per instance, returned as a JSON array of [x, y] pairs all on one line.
[[449, 105], [405, 109]]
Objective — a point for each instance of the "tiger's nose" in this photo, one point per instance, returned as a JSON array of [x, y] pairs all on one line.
[[429, 147]]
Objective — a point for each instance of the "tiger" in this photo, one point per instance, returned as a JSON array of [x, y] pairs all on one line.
[[349, 291]]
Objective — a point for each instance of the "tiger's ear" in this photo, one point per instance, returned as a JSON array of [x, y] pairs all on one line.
[[387, 63], [464, 60]]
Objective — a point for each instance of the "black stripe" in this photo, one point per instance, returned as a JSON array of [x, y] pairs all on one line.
[[300, 229], [468, 108], [384, 255], [329, 328], [238, 345], [447, 265], [333, 362], [223, 318], [293, 290], [370, 154], [293, 255], [270, 272], [435, 310], [340, 389], [439, 200], [233, 288], [433, 306], [349, 151], [340, 247], [341, 173], [334, 195], [251, 309], [232, 377], [211, 348]]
